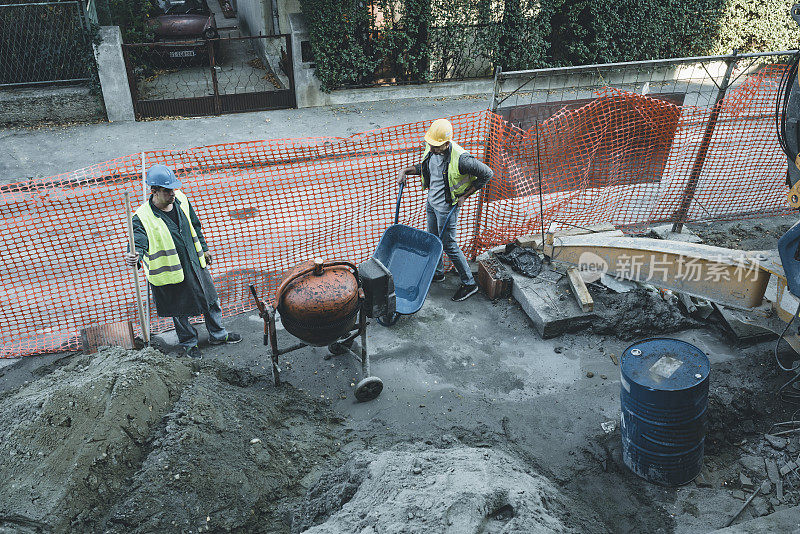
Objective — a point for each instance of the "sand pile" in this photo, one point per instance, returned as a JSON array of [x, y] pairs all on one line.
[[462, 490], [129, 441]]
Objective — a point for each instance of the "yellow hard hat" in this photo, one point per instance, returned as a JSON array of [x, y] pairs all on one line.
[[440, 132]]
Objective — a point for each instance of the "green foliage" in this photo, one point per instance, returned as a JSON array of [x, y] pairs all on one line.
[[131, 16], [756, 26], [584, 32], [355, 43]]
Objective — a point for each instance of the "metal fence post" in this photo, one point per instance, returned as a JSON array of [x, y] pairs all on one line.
[[493, 101], [213, 62], [702, 151]]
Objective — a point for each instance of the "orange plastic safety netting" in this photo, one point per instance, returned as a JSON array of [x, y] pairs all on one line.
[[267, 205], [631, 159]]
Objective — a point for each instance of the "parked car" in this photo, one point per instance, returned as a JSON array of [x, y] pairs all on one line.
[[182, 28]]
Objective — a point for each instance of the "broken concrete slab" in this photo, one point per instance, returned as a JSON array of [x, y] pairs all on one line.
[[776, 442], [618, 285], [664, 231], [550, 307], [753, 464], [743, 325]]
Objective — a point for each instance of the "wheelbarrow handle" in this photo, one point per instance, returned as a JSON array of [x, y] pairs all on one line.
[[397, 207], [397, 211], [447, 220]]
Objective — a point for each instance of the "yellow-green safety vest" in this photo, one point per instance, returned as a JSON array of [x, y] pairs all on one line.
[[162, 265], [458, 182]]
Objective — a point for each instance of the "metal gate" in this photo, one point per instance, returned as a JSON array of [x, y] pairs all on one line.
[[211, 76]]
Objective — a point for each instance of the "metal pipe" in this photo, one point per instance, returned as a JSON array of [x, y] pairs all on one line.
[[702, 151], [45, 82], [649, 62]]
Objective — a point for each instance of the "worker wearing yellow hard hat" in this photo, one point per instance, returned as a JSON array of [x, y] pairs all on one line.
[[450, 175]]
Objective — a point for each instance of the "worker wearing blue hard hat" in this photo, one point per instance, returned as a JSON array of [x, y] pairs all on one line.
[[171, 248]]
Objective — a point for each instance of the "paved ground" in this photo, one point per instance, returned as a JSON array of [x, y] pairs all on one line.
[[476, 372], [44, 151]]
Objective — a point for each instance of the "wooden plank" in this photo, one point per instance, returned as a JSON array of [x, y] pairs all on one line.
[[580, 290], [721, 275]]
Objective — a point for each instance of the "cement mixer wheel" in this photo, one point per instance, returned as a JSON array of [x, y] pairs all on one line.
[[337, 348], [368, 389]]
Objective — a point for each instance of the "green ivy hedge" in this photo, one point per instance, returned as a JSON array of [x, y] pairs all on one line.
[[352, 46]]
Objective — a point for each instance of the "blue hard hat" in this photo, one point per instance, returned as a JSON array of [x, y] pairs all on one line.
[[162, 176]]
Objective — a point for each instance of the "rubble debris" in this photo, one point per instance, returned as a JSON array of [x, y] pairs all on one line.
[[608, 426], [589, 374], [776, 442], [745, 482], [522, 260], [617, 285], [790, 466], [705, 479], [664, 231], [638, 313], [741, 326]]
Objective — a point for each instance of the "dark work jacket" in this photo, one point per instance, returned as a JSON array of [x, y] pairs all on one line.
[[196, 292], [467, 164]]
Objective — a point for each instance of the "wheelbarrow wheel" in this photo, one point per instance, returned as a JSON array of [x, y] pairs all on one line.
[[388, 320], [368, 389], [337, 348]]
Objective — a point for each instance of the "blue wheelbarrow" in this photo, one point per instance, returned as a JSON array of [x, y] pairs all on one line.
[[411, 255]]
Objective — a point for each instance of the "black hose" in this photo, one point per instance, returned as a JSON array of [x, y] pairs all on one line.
[[786, 393], [782, 101]]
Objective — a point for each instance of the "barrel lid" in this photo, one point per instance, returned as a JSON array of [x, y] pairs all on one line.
[[664, 364]]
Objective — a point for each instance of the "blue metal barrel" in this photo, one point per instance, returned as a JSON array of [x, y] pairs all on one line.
[[664, 397]]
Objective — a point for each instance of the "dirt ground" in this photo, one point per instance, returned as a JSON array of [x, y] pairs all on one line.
[[482, 427], [757, 234]]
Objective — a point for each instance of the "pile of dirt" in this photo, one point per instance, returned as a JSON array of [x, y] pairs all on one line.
[[127, 441], [761, 234], [742, 399], [638, 313], [419, 489]]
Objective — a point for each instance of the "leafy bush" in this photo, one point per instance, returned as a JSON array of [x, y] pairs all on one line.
[[439, 39]]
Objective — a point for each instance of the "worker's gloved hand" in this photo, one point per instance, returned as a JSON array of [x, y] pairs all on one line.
[[401, 177], [461, 201], [207, 256], [132, 259]]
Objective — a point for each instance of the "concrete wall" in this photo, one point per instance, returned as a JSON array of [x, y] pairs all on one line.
[[113, 75], [254, 17], [285, 9], [29, 106]]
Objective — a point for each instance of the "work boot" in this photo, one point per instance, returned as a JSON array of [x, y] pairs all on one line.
[[438, 277], [230, 339], [465, 291], [195, 353]]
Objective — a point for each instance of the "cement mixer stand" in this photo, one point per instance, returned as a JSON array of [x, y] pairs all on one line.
[[367, 389]]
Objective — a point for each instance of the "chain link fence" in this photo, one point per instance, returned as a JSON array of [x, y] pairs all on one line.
[[44, 42]]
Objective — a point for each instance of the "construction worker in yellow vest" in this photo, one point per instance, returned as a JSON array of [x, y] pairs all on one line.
[[175, 257], [450, 175]]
